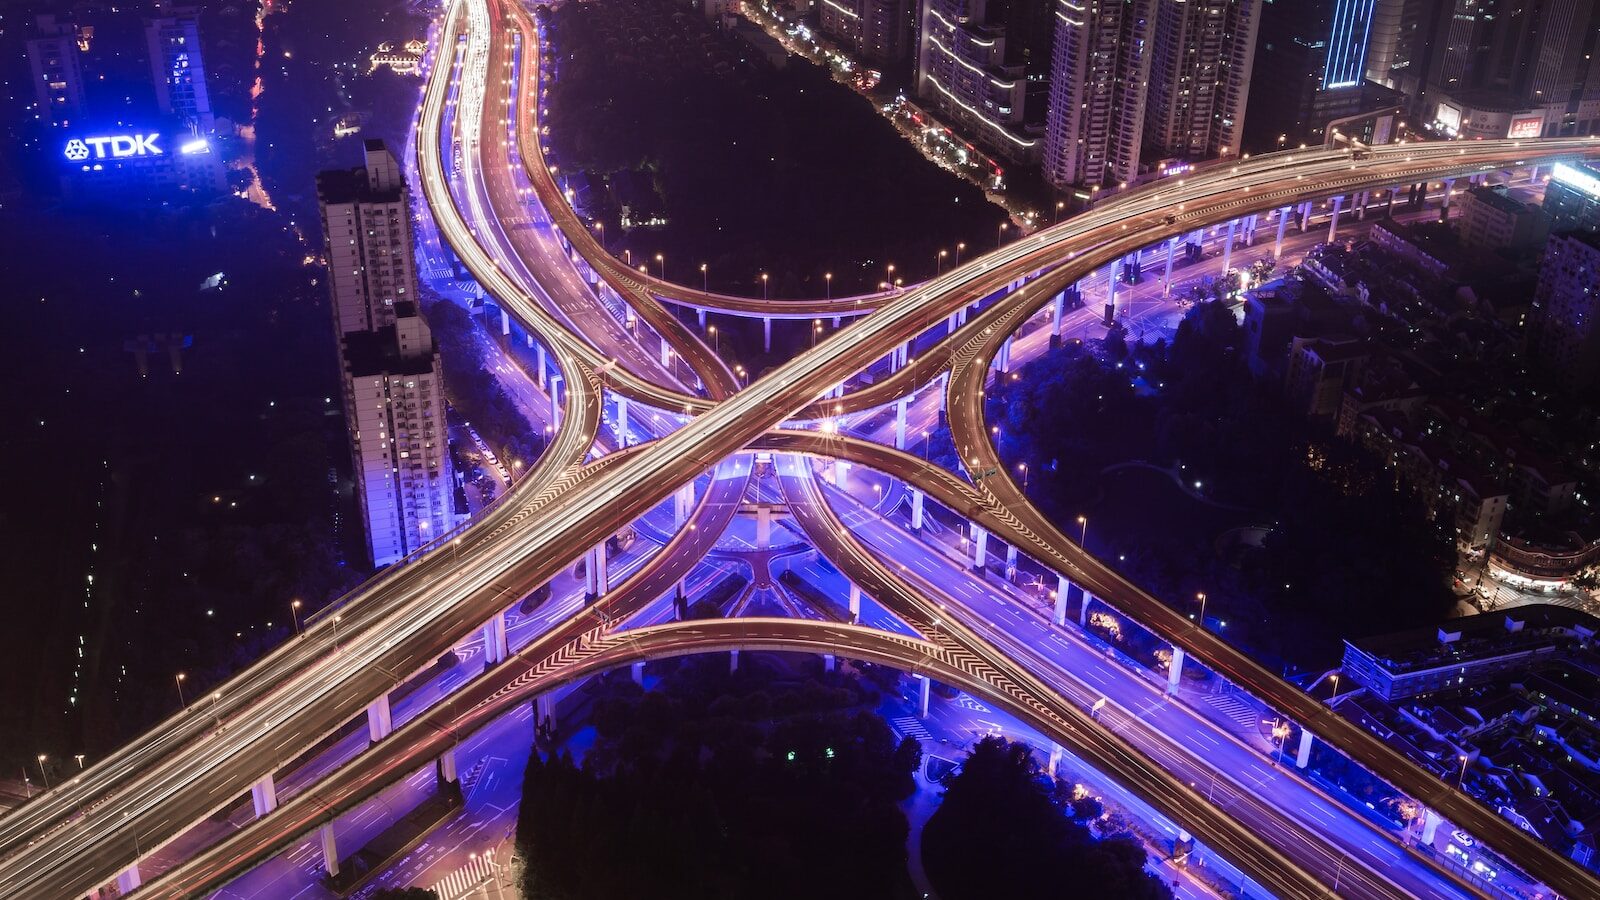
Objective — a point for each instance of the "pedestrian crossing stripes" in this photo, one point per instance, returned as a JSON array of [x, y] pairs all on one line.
[[911, 727], [1239, 711], [468, 878]]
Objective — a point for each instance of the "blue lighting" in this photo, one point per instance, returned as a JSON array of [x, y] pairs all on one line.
[[1347, 44]]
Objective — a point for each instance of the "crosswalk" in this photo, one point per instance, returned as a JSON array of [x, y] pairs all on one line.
[[467, 879], [1244, 714], [911, 727]]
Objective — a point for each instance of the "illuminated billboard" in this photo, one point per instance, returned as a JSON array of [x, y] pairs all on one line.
[[1526, 126], [115, 146], [1449, 117], [1581, 179]]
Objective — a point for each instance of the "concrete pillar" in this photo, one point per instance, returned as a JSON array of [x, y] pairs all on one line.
[[505, 323], [543, 365], [980, 545], [1303, 756], [700, 316], [666, 354], [379, 723], [591, 572], [837, 321], [855, 603], [638, 673], [129, 880], [622, 421], [924, 690], [766, 333], [1394, 194], [1166, 280], [1083, 609], [828, 662], [1305, 217], [1361, 205], [1430, 825], [961, 316], [733, 660], [1005, 355], [602, 577], [1250, 223], [905, 349], [1055, 759], [1011, 562], [900, 423], [1333, 223], [544, 709], [1283, 222], [916, 509], [264, 796], [330, 850], [841, 472], [446, 771], [763, 527], [1111, 290], [529, 338], [1061, 313], [682, 504], [1059, 614], [1449, 188], [495, 646], [1227, 245], [1175, 670]]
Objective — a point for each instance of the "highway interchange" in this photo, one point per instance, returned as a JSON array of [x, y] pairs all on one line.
[[83, 833]]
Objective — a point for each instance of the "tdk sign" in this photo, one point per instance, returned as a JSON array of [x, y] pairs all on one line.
[[120, 146]]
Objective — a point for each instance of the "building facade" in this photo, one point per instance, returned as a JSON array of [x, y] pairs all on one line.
[[1492, 220], [973, 73], [1564, 327], [877, 31], [1200, 77], [1572, 197], [177, 67], [56, 71], [393, 390], [1099, 77]]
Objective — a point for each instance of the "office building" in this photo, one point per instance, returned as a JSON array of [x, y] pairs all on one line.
[[56, 71], [172, 37], [1492, 220], [1099, 74], [1572, 197], [974, 67], [393, 391], [877, 31], [1310, 74], [366, 227], [1200, 78], [1564, 324]]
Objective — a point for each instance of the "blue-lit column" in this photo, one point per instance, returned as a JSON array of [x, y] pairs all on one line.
[[900, 423], [638, 673], [622, 421], [264, 796], [917, 500], [682, 503], [1283, 222], [766, 333], [544, 709], [1166, 280], [1333, 223], [763, 527], [1227, 246], [1303, 757], [855, 604], [980, 545], [733, 661], [924, 690], [1011, 563], [495, 645], [1175, 670], [543, 365], [445, 771], [129, 880], [1060, 612], [330, 850], [379, 723]]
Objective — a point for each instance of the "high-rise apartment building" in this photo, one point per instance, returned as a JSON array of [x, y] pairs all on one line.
[[1572, 197], [172, 37], [974, 68], [879, 31], [393, 391], [1099, 73], [56, 71], [1564, 324], [1200, 77]]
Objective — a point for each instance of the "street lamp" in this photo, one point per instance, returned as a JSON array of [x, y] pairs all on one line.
[[827, 285], [601, 227], [713, 330], [1335, 677], [1023, 468], [1060, 205], [1463, 776], [705, 280], [1000, 234], [42, 773], [661, 261], [294, 615], [1083, 532], [1280, 733], [816, 329], [79, 758], [763, 286], [1202, 598], [960, 246], [938, 263], [178, 679]]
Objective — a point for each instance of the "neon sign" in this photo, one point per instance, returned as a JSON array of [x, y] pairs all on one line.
[[120, 146], [1582, 179]]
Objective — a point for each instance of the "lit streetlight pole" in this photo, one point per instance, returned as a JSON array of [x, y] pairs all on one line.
[[1000, 233], [661, 262], [960, 246], [938, 263], [294, 615], [705, 280], [1023, 468], [178, 679], [827, 285], [713, 330], [1083, 532], [42, 773], [1202, 598], [763, 286]]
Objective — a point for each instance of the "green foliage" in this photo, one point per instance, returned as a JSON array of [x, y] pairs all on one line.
[[1001, 831], [720, 785]]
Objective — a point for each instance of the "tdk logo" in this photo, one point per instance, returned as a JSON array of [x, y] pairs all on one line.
[[119, 146]]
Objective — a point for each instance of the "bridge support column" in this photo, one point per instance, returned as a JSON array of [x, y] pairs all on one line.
[[682, 504], [837, 321], [666, 354], [1005, 355], [544, 709], [916, 509], [700, 317], [379, 724], [733, 660], [1166, 280], [1305, 216], [1303, 756], [597, 569], [529, 338], [1430, 825], [1250, 223], [1283, 222], [855, 604], [1059, 614], [1060, 322], [980, 545], [264, 796], [1333, 223], [1175, 670], [763, 527], [495, 646], [505, 323], [1449, 192], [1394, 194], [766, 333], [1227, 245], [1055, 759], [638, 673], [924, 691], [444, 770], [555, 400], [543, 364], [129, 879], [1011, 563], [1361, 205], [330, 850], [1083, 608], [900, 423], [622, 421], [828, 662]]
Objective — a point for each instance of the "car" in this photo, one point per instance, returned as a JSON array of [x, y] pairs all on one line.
[[1462, 838]]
